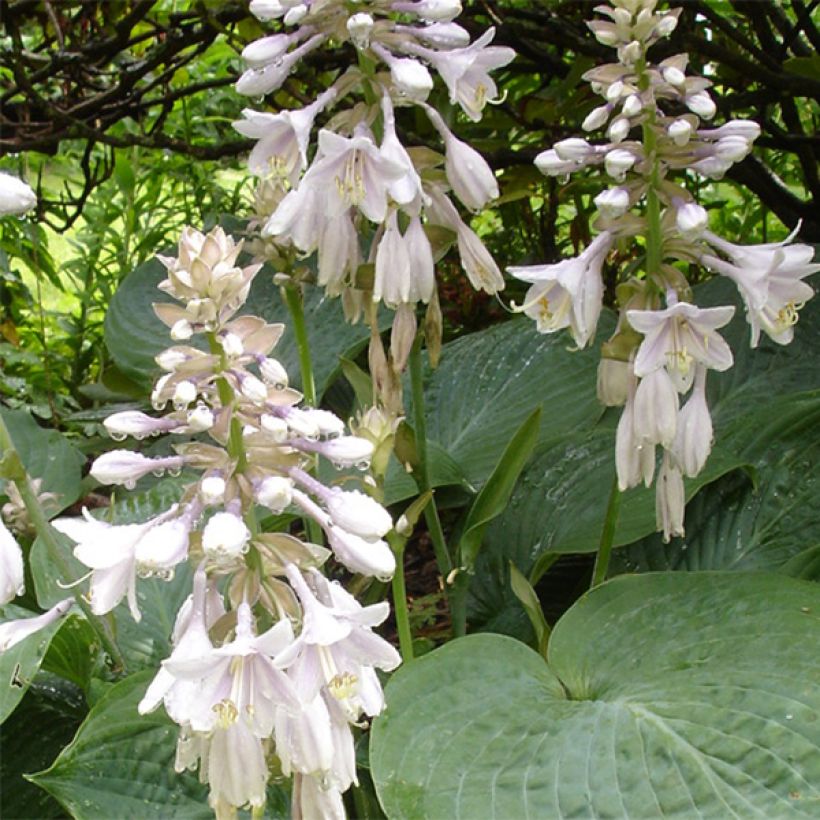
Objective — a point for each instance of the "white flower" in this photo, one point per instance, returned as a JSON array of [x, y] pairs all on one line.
[[439, 35], [677, 337], [618, 161], [358, 513], [655, 412], [691, 219], [769, 278], [568, 293], [12, 576], [337, 641], [434, 10], [680, 131], [126, 467], [550, 164], [116, 554], [597, 117], [312, 799], [469, 174], [612, 202], [573, 149], [670, 500], [212, 489], [346, 451], [275, 493], [411, 78], [693, 440], [225, 537], [701, 103], [359, 27], [404, 265], [273, 372], [372, 557], [634, 457], [12, 632], [256, 82], [465, 71], [201, 418], [406, 189], [15, 196], [613, 381]]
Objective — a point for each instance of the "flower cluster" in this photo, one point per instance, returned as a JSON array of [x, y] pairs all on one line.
[[363, 187], [287, 668], [663, 345]]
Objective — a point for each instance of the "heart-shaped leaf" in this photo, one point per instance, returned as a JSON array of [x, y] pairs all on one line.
[[676, 694]]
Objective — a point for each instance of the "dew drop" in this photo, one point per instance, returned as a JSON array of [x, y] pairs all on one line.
[[118, 436]]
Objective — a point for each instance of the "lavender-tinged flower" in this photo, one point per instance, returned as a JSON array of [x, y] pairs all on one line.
[[15, 196], [312, 798], [438, 35], [655, 413], [677, 337], [634, 456], [431, 10], [465, 71], [12, 576], [670, 500], [256, 82], [568, 293], [404, 265], [12, 632], [769, 278], [117, 554], [693, 440]]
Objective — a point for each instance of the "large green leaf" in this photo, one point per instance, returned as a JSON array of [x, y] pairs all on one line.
[[46, 455], [19, 665], [663, 695], [736, 524], [560, 503], [43, 723], [134, 335], [121, 764], [489, 382]]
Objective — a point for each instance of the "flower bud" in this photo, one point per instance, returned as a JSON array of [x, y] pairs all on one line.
[[437, 10], [295, 15], [732, 148], [632, 106], [573, 149], [674, 76], [359, 27], [618, 162], [615, 90], [619, 129], [701, 104], [550, 164], [346, 451], [442, 35], [666, 25], [670, 500], [273, 373], [680, 131], [596, 118], [411, 78], [613, 382], [134, 423], [126, 467], [275, 493], [613, 202], [267, 50], [278, 428], [232, 345], [225, 537], [184, 393], [201, 418], [691, 220], [171, 359], [630, 53], [12, 632], [359, 514], [253, 389], [182, 330], [212, 489]]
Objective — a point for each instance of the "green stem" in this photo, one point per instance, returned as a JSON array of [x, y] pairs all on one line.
[[293, 299], [654, 233], [422, 475], [607, 536], [397, 544], [17, 474]]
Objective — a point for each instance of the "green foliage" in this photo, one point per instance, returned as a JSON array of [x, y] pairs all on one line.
[[688, 693]]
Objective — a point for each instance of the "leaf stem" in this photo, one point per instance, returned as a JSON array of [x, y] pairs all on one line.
[[607, 536], [18, 475], [293, 299]]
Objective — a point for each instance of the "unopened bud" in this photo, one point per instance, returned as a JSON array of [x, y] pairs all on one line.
[[184, 393], [632, 106], [359, 27], [181, 330], [691, 220], [273, 373], [674, 76], [618, 162], [619, 129], [573, 149], [701, 104], [275, 493], [232, 345], [680, 131], [402, 335], [613, 202], [596, 118], [212, 489], [201, 418]]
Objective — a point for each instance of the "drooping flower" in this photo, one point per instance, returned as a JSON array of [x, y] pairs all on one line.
[[12, 632], [693, 438], [568, 293], [116, 554], [769, 278]]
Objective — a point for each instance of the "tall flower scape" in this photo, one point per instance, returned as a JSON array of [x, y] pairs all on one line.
[[274, 665], [656, 363]]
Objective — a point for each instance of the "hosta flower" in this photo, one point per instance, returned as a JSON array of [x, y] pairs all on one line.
[[256, 82], [127, 467], [312, 798], [404, 265], [568, 293], [670, 499], [693, 439], [12, 632], [337, 641], [12, 577], [679, 336], [769, 278], [16, 197], [225, 537], [116, 554]]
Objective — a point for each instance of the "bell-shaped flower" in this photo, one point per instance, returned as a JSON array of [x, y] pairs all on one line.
[[406, 189], [679, 336], [283, 138], [634, 456], [12, 576], [670, 499], [568, 293], [693, 439], [337, 648], [312, 798], [655, 413], [405, 272], [465, 71], [16, 197], [116, 554], [769, 278], [12, 632]]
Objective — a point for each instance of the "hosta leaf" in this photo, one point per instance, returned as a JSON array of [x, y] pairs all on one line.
[[46, 455], [663, 695]]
